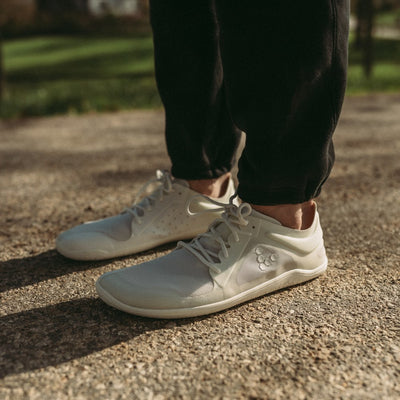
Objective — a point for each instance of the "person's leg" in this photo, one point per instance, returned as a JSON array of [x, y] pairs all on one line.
[[285, 65], [285, 76], [200, 135], [201, 141]]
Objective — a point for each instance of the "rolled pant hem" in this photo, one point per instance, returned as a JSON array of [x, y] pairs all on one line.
[[188, 174], [275, 196]]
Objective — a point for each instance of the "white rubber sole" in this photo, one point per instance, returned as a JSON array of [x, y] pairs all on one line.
[[287, 279]]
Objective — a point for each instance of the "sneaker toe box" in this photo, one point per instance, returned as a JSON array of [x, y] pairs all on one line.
[[130, 296], [85, 245], [161, 284]]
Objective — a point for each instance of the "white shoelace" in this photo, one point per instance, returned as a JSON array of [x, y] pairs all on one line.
[[164, 179], [203, 246]]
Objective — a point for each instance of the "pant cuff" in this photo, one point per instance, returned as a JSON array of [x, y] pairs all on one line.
[[191, 174], [271, 197]]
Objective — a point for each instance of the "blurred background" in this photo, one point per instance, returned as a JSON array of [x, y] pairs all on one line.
[[75, 56]]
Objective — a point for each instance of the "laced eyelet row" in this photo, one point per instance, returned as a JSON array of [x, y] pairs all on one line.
[[164, 179], [233, 217]]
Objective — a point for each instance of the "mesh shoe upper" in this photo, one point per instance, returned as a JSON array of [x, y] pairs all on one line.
[[243, 254], [156, 218]]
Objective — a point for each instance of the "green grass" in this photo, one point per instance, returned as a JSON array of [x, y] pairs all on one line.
[[52, 75], [390, 19], [386, 72], [62, 74]]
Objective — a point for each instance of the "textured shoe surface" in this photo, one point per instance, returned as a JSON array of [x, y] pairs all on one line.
[[242, 256], [157, 218]]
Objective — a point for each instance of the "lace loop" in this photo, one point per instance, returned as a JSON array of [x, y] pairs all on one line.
[[137, 209]]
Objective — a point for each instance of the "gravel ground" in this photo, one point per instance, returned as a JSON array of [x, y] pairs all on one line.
[[336, 337]]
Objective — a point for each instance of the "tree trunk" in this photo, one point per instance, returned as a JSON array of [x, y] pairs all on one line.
[[2, 73], [368, 45], [359, 27], [364, 41]]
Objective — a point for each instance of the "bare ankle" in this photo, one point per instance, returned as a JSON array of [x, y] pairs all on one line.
[[211, 187], [295, 216]]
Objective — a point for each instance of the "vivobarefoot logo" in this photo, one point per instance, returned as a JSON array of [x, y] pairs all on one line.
[[266, 258]]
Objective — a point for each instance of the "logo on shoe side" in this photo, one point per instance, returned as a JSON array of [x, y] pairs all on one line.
[[266, 258], [263, 261]]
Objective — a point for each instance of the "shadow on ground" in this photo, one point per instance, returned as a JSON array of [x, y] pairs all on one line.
[[58, 333], [20, 272], [331, 338]]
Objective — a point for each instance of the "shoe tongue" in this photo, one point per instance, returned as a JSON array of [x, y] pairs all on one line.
[[139, 211], [143, 202], [223, 231], [181, 182]]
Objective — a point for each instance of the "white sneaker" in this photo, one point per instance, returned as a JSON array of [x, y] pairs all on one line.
[[159, 218], [242, 256]]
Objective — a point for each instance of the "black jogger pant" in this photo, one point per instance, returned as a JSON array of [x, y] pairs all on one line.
[[275, 69]]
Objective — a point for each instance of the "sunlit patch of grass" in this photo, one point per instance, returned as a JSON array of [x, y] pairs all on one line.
[[52, 75], [385, 79], [385, 75], [78, 96]]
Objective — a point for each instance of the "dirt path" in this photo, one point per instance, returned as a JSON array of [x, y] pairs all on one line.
[[335, 337]]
